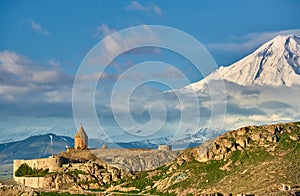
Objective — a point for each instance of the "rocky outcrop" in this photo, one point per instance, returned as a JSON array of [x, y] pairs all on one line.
[[83, 176], [250, 159], [136, 159], [242, 138]]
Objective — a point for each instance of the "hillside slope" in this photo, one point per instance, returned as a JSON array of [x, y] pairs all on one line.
[[254, 160]]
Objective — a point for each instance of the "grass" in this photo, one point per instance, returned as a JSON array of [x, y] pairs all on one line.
[[208, 174], [132, 192], [88, 182], [142, 179], [200, 175], [97, 190], [140, 182], [58, 193], [76, 172]]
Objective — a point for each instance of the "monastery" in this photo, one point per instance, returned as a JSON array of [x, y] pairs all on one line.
[[53, 163]]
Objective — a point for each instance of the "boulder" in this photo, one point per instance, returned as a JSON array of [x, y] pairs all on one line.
[[203, 154], [115, 173], [59, 181], [106, 177], [242, 142], [242, 131], [256, 136], [227, 143], [294, 137], [272, 138]]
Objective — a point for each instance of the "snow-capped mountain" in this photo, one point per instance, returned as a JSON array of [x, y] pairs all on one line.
[[276, 63]]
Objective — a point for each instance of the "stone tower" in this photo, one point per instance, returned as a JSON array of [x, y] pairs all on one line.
[[81, 139]]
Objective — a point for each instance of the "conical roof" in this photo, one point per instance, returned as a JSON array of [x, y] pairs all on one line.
[[81, 133]]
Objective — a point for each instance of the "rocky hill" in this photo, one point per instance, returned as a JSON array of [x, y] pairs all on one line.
[[255, 160], [260, 160]]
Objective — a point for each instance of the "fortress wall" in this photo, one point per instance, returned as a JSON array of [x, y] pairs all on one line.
[[34, 182], [53, 163]]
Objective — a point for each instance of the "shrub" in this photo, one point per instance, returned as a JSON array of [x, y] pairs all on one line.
[[24, 170]]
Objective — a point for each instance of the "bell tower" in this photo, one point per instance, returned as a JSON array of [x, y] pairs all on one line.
[[81, 139]]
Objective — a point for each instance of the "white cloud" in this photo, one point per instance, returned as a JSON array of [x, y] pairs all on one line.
[[134, 5], [54, 63], [21, 79], [9, 62], [102, 31], [122, 43], [249, 42], [45, 76], [38, 28], [269, 105], [157, 10]]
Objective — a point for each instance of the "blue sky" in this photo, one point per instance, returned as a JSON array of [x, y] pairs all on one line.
[[42, 44], [68, 29]]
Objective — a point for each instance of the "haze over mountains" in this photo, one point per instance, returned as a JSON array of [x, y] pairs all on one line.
[[261, 88]]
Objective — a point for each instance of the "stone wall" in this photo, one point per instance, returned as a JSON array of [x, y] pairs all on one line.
[[53, 163], [80, 143], [34, 182]]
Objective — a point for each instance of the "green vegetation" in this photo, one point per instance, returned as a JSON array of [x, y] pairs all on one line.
[[155, 192], [143, 180], [76, 172], [97, 190], [58, 193], [26, 170], [200, 175], [140, 182], [132, 192], [88, 182]]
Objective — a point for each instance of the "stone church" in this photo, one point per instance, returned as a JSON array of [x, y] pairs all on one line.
[[81, 139], [53, 163]]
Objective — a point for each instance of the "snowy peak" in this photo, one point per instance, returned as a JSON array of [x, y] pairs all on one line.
[[276, 63]]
